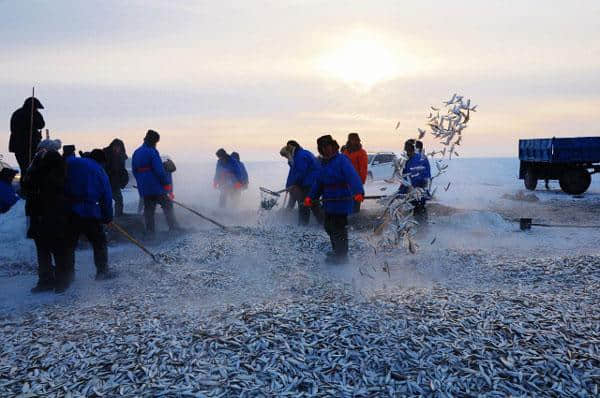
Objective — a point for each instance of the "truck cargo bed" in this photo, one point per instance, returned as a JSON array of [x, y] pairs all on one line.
[[560, 150]]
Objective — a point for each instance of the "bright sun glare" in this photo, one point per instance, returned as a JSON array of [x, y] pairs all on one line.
[[361, 60]]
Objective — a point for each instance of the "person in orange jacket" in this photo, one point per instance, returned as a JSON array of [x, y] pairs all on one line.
[[359, 158]]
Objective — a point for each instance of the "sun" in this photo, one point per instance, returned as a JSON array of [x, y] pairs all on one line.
[[360, 59]]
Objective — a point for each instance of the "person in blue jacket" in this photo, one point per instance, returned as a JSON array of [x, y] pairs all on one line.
[[89, 194], [340, 185], [419, 149], [304, 169], [419, 172], [243, 171], [153, 183], [285, 153], [237, 194], [228, 176], [8, 196]]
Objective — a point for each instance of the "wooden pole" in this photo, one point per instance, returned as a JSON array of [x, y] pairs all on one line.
[[197, 213], [133, 240], [200, 215], [31, 125]]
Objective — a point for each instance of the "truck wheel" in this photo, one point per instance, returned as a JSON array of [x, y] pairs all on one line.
[[575, 181], [530, 180]]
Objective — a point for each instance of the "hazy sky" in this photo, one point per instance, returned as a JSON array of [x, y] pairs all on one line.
[[249, 75]]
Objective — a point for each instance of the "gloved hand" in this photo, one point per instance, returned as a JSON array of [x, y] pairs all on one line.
[[359, 197], [238, 185], [308, 202], [169, 189], [215, 185]]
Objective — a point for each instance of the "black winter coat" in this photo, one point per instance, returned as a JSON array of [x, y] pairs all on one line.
[[46, 205], [115, 165], [19, 131]]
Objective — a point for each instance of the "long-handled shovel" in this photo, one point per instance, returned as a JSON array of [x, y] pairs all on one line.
[[274, 193], [200, 215], [349, 198], [134, 241], [197, 213]]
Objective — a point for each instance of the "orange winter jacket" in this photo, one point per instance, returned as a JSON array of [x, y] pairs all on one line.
[[360, 161]]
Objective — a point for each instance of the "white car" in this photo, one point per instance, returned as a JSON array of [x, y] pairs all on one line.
[[381, 165]]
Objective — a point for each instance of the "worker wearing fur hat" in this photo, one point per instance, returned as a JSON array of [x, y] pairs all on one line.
[[43, 187], [153, 183], [339, 185]]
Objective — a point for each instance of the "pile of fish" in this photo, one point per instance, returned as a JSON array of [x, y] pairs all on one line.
[[397, 224], [282, 324], [9, 267]]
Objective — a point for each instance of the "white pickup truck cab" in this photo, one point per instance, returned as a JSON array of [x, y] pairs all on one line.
[[381, 165]]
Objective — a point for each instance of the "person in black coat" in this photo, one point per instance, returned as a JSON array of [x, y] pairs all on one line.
[[117, 174], [46, 206], [20, 127]]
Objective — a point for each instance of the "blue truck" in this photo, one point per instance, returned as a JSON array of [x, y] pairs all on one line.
[[571, 161]]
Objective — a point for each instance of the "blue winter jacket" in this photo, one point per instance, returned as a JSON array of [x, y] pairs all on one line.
[[88, 190], [417, 167], [337, 179], [149, 172], [425, 161], [303, 170], [243, 173], [228, 173], [8, 196]]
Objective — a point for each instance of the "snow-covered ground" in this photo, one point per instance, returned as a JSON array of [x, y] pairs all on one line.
[[472, 256]]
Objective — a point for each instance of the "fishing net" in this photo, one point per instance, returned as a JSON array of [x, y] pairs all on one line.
[[268, 201]]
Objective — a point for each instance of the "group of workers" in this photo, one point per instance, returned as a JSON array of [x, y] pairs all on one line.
[[67, 196], [230, 178], [332, 185]]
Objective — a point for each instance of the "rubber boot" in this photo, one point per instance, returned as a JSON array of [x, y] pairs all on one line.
[[64, 281], [339, 240], [337, 259], [62, 285], [104, 273], [45, 283]]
